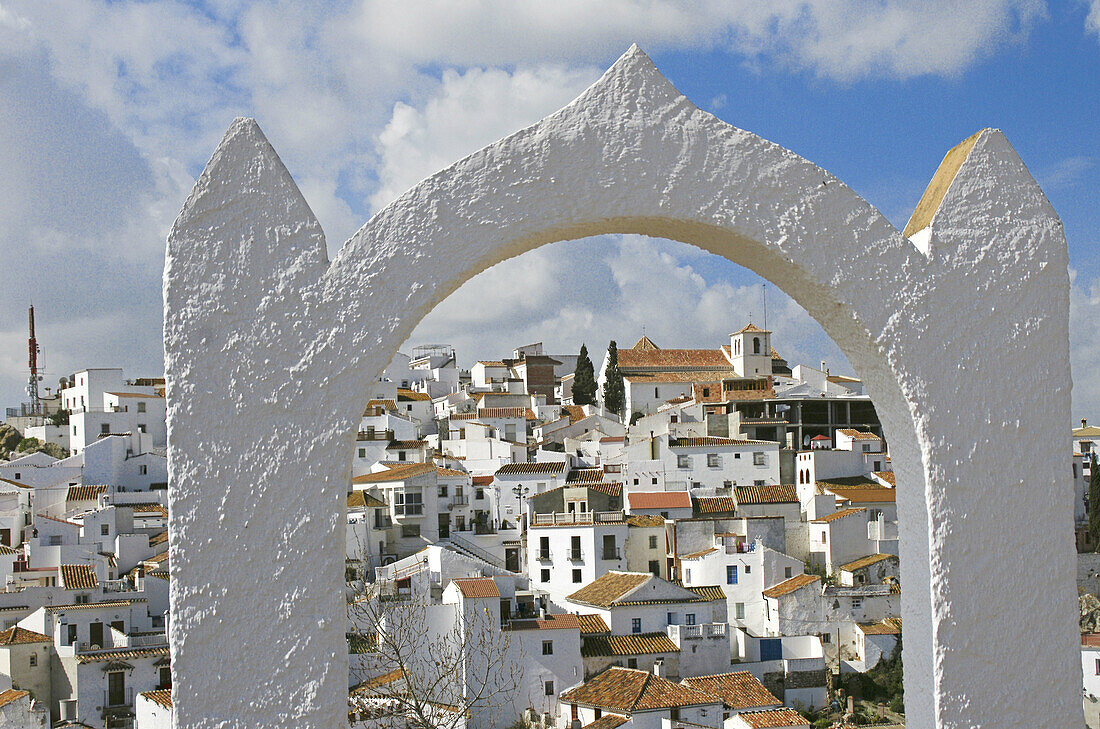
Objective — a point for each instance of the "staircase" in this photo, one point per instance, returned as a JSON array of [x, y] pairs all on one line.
[[469, 549]]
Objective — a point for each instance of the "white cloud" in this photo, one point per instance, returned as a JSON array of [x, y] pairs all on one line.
[[470, 110], [1092, 20]]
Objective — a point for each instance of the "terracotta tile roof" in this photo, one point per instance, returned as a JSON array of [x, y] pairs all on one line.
[[93, 605], [858, 434], [592, 623], [607, 721], [738, 689], [384, 404], [788, 586], [450, 472], [631, 690], [690, 376], [697, 555], [482, 480], [645, 520], [160, 537], [78, 577], [706, 593], [610, 488], [575, 412], [849, 482], [405, 445], [608, 588], [585, 475], [867, 496], [410, 395], [658, 359], [162, 697], [148, 507], [887, 476], [752, 329], [559, 621], [773, 718], [883, 628], [710, 440], [491, 363], [11, 695], [785, 494], [137, 394], [613, 439], [840, 514], [462, 416], [21, 636], [476, 587], [1090, 640], [659, 500], [512, 412], [645, 343], [552, 467], [715, 505], [122, 655], [8, 551], [363, 500], [84, 493], [627, 645], [866, 561], [396, 473]]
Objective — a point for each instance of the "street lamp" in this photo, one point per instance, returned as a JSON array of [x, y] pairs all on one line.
[[521, 492]]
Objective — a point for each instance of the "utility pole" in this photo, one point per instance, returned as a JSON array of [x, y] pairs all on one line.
[[32, 363]]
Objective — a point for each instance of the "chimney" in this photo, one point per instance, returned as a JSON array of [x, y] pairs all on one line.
[[822, 365], [659, 668], [542, 613], [1084, 422]]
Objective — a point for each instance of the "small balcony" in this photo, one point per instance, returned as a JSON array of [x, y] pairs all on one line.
[[371, 434], [408, 510], [458, 502], [575, 555], [544, 555]]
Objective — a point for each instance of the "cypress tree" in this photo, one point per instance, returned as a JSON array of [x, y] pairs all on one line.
[[614, 391], [1094, 500], [584, 380]]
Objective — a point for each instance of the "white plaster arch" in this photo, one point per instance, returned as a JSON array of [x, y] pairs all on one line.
[[963, 346]]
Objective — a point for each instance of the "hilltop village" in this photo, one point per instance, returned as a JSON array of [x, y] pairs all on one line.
[[660, 538]]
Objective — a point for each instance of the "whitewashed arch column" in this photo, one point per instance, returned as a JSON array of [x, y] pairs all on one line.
[[962, 343]]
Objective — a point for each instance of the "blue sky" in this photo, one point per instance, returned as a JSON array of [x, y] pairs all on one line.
[[108, 111]]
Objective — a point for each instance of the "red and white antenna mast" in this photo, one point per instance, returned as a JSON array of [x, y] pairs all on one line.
[[32, 362]]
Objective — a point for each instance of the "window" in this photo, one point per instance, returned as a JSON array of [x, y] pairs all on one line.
[[758, 482], [712, 460], [633, 663], [786, 573], [756, 345], [104, 428], [141, 427], [1098, 666], [655, 567], [141, 406], [55, 540], [878, 467], [104, 530], [544, 547], [824, 535], [479, 494], [737, 455], [825, 637], [674, 713], [654, 480], [635, 480], [70, 634], [19, 475], [575, 548], [687, 575], [401, 455], [549, 688], [758, 459], [635, 625], [116, 688], [143, 470], [857, 603], [544, 575], [577, 579], [673, 618], [410, 530], [443, 491], [739, 610], [656, 392], [165, 678], [362, 452], [683, 462], [748, 568], [34, 659], [548, 647], [731, 574], [689, 619], [80, 600], [653, 542], [866, 447]]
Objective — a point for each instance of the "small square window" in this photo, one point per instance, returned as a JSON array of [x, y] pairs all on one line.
[[548, 647], [857, 603], [362, 452], [549, 688], [683, 462], [758, 459], [141, 407], [143, 470], [653, 542], [786, 573], [479, 494], [631, 662], [712, 460], [689, 619], [635, 625], [104, 428], [825, 637], [141, 427], [577, 579], [748, 568], [104, 530], [654, 480]]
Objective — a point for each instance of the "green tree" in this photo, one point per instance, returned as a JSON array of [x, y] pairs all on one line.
[[1094, 500], [584, 380], [59, 417], [614, 391]]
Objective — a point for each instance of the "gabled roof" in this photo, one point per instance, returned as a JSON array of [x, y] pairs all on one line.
[[866, 496], [477, 587], [512, 412], [78, 577], [738, 689], [773, 718], [363, 500], [607, 721], [557, 621], [21, 636], [866, 561], [592, 623], [10, 695], [405, 445], [785, 494], [645, 343], [635, 644], [751, 329], [121, 655], [886, 627], [788, 586], [396, 473], [608, 588], [659, 500], [858, 434], [93, 605], [406, 395], [657, 359], [551, 467], [711, 440], [84, 493], [840, 514], [631, 690], [715, 505]]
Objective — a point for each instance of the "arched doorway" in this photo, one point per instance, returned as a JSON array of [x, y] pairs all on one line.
[[962, 344]]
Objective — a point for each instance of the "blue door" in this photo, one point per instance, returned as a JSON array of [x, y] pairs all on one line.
[[771, 649]]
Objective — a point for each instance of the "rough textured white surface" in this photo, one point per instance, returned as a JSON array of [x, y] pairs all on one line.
[[963, 348]]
